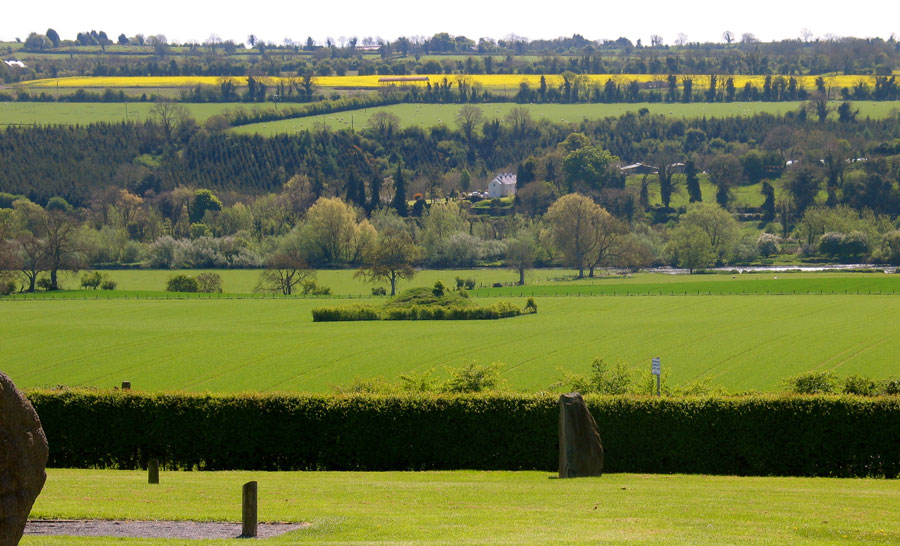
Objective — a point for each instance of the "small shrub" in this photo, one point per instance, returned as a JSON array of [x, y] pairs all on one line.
[[470, 284], [209, 283], [7, 287], [602, 380], [473, 378], [379, 291], [419, 382], [460, 282], [372, 385], [813, 383], [497, 285], [438, 289], [182, 283], [44, 283], [530, 306], [890, 386], [108, 284], [310, 287], [92, 280], [862, 386]]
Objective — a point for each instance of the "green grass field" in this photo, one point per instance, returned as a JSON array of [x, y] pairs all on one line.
[[748, 342], [428, 115], [423, 115], [72, 113], [522, 508]]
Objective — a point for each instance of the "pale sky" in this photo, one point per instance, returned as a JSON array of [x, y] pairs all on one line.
[[273, 21]]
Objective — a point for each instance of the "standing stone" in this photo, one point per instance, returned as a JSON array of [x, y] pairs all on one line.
[[23, 457], [580, 448]]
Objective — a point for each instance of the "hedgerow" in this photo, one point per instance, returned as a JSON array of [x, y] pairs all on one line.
[[768, 435], [497, 310]]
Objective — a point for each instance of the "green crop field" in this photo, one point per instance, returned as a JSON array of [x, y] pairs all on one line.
[[423, 115], [428, 115], [739, 342], [72, 113], [522, 508]]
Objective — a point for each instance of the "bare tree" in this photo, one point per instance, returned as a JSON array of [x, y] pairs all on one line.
[[728, 36], [806, 34], [656, 40], [285, 269], [681, 40], [171, 116]]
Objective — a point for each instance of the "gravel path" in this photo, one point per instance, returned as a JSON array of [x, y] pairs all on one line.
[[153, 529]]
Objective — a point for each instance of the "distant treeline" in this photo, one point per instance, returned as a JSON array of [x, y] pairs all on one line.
[[573, 89], [443, 53]]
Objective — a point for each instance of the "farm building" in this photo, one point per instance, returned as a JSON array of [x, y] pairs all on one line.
[[13, 62], [638, 168], [502, 185]]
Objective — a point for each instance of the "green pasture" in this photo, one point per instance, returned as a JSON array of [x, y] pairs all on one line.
[[522, 508], [151, 283], [429, 115], [82, 113], [423, 115], [749, 342], [772, 283]]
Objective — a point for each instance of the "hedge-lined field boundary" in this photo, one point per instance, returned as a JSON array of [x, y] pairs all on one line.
[[499, 310], [768, 435]]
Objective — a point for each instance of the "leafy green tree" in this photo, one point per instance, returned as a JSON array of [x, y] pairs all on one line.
[[690, 248], [717, 224], [334, 233], [692, 181], [588, 165], [392, 256], [53, 36], [725, 172], [202, 202], [399, 202], [521, 252], [574, 222]]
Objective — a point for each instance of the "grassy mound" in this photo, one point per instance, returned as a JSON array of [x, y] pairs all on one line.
[[429, 296]]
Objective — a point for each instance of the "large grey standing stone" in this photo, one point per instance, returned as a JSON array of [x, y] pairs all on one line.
[[23, 458], [580, 448]]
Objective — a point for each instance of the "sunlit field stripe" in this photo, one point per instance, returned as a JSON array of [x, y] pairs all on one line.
[[491, 81]]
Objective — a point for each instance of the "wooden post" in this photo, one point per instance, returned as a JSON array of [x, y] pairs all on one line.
[[153, 471], [126, 385], [248, 516]]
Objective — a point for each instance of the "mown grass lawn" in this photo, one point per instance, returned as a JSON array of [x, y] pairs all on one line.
[[467, 507]]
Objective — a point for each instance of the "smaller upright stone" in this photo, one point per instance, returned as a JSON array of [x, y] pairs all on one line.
[[23, 457], [580, 448]]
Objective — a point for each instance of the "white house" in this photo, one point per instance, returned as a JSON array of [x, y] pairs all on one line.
[[502, 185], [14, 62]]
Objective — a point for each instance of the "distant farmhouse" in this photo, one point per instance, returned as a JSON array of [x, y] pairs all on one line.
[[14, 62], [502, 185]]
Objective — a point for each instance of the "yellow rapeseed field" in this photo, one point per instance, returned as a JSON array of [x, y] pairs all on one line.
[[491, 81]]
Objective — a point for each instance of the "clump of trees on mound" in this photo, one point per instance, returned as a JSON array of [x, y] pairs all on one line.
[[436, 303]]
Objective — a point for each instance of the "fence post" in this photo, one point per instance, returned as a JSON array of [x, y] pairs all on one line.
[[248, 510]]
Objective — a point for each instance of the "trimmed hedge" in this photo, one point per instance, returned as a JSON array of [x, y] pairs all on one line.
[[498, 310], [774, 435]]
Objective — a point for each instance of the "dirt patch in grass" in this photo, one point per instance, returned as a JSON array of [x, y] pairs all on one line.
[[153, 529]]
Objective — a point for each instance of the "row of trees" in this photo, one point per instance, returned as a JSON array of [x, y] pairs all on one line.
[[36, 244], [419, 54]]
